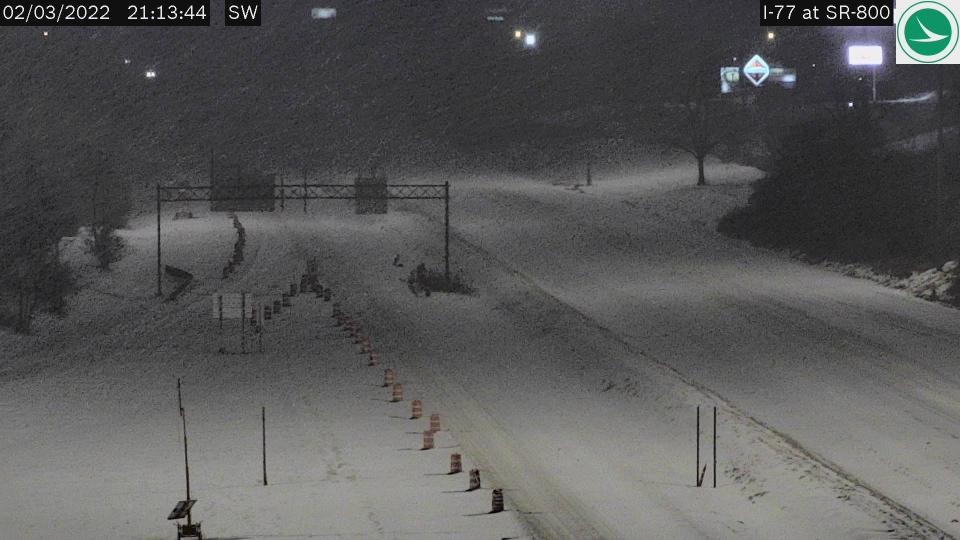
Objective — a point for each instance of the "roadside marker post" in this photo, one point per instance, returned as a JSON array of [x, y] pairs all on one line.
[[263, 420]]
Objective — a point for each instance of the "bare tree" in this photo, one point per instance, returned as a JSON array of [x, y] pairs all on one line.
[[34, 220]]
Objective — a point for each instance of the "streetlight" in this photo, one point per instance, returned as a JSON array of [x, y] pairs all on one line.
[[771, 36], [530, 40], [150, 74], [518, 34]]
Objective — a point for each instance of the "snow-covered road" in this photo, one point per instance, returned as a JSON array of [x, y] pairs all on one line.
[[603, 318], [857, 374]]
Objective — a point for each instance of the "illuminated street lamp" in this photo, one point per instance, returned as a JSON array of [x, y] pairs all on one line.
[[518, 34], [530, 40], [771, 36], [150, 74]]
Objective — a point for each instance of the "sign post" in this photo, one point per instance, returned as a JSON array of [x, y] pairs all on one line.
[[235, 306], [866, 55]]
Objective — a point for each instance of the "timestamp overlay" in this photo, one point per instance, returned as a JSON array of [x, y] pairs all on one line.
[[125, 13], [826, 13]]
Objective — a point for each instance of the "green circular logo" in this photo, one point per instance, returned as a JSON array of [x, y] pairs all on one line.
[[927, 32]]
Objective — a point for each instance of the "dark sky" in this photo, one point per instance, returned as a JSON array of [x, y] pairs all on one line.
[[385, 72]]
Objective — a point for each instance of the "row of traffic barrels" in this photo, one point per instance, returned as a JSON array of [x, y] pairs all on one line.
[[354, 328]]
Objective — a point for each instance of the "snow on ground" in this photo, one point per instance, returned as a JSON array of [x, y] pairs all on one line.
[[857, 374], [91, 432], [603, 318]]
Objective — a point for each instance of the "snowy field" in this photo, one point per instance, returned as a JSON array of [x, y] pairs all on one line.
[[604, 316]]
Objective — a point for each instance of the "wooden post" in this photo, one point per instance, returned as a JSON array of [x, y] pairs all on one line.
[[698, 447], [714, 447], [263, 419], [159, 283]]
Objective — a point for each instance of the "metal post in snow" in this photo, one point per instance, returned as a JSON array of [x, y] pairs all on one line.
[[159, 283], [263, 420], [714, 447], [186, 460], [698, 447], [446, 232]]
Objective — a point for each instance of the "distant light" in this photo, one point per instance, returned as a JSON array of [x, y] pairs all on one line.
[[865, 55], [495, 18], [126, 61], [45, 33], [849, 104], [771, 36], [323, 13], [150, 74], [813, 65], [530, 40], [517, 34]]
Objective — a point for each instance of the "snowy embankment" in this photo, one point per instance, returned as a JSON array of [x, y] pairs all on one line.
[[933, 284]]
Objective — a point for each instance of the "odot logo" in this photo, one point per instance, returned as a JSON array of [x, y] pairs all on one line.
[[927, 32]]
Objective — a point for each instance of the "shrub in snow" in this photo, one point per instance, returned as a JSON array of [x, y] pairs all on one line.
[[105, 208], [834, 192], [424, 280]]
